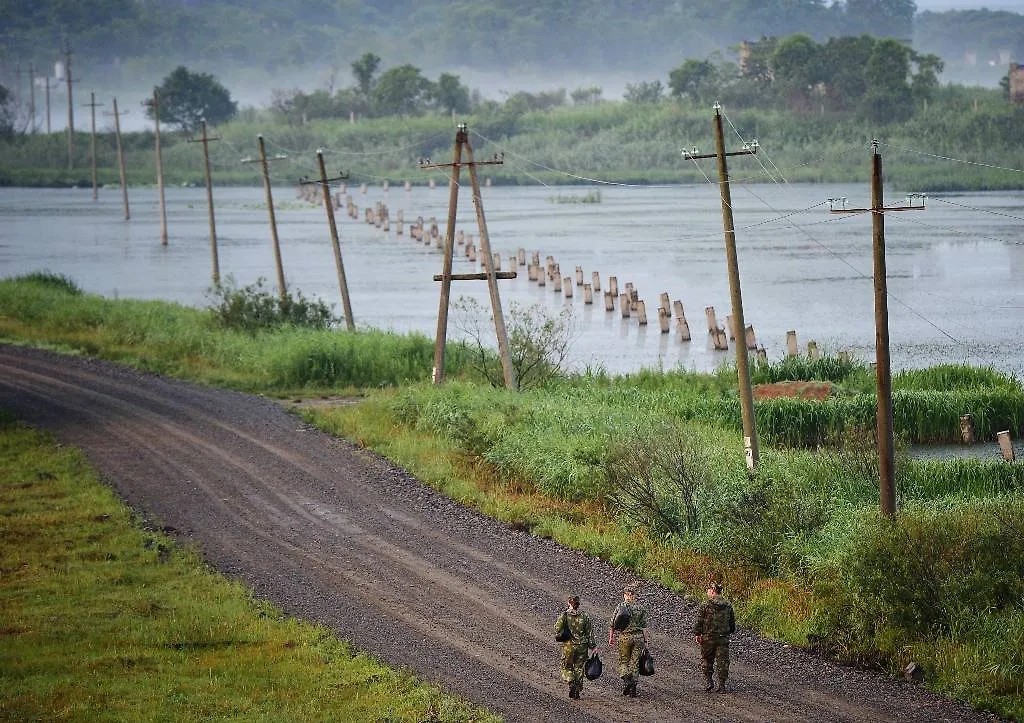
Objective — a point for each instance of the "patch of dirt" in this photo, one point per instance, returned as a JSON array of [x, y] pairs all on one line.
[[337, 535], [800, 390]]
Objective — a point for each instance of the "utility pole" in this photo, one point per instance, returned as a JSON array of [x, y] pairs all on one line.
[[154, 103], [71, 106], [883, 371], [48, 127], [750, 442], [205, 140], [490, 275], [32, 97], [282, 290], [325, 185], [120, 160], [92, 141]]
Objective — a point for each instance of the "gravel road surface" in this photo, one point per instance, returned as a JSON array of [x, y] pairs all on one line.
[[335, 534]]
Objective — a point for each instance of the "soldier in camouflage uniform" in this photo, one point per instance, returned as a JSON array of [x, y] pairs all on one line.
[[632, 618], [715, 623], [576, 650]]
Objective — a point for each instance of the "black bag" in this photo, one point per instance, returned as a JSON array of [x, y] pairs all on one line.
[[564, 634], [646, 662], [622, 620], [592, 668]]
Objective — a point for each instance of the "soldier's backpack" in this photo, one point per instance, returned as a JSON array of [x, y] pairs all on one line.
[[622, 619], [592, 668], [563, 634]]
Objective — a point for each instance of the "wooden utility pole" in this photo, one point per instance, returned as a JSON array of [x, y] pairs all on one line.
[[47, 86], [490, 275], [883, 371], [32, 97], [154, 103], [120, 160], [325, 185], [750, 441], [92, 142], [205, 140], [282, 290], [71, 105]]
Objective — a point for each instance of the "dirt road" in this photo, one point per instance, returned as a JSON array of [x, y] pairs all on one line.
[[335, 534]]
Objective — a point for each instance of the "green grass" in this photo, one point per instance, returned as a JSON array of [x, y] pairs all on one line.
[[104, 619], [553, 461]]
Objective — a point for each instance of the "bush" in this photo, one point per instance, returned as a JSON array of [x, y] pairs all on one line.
[[254, 307]]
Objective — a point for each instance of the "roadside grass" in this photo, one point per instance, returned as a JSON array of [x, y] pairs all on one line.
[[553, 461], [105, 619]]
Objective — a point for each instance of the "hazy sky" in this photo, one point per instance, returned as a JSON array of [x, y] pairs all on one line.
[[1016, 6]]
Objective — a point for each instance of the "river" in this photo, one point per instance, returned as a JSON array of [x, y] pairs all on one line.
[[955, 269]]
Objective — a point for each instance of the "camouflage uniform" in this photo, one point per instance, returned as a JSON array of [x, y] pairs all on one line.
[[575, 651], [631, 640], [715, 623]]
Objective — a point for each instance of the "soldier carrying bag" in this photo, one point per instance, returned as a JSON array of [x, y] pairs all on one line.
[[592, 668], [622, 619], [646, 662], [564, 633]]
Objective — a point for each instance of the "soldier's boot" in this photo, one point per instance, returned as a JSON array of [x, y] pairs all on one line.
[[721, 685], [710, 686], [626, 685], [575, 689], [632, 690]]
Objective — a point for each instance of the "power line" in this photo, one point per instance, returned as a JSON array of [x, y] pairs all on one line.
[[948, 158]]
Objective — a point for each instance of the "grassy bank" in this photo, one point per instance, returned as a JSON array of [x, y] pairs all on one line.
[[106, 619], [613, 141], [647, 471]]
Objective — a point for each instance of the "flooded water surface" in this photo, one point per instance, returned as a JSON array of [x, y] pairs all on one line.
[[955, 270]]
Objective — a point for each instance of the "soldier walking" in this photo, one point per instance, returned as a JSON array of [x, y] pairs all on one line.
[[629, 621], [715, 623], [579, 645]]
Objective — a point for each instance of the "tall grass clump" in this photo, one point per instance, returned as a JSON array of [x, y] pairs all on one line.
[[255, 306], [950, 377], [823, 369]]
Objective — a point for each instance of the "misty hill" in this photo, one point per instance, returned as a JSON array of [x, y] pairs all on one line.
[[123, 39]]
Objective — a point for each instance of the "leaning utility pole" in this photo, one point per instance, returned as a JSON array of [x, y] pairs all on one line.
[[32, 97], [325, 185], [490, 275], [883, 371], [71, 105], [750, 442], [120, 160], [154, 103], [92, 141], [205, 140], [282, 290], [48, 127]]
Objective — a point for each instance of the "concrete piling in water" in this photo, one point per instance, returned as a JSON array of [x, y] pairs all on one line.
[[609, 301], [624, 305], [521, 257], [682, 327], [579, 276], [664, 320], [1006, 445], [812, 350], [791, 348], [588, 294], [567, 287], [613, 286], [751, 338], [967, 430], [641, 312], [595, 281]]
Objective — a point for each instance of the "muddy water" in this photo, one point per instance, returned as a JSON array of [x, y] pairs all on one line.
[[955, 270]]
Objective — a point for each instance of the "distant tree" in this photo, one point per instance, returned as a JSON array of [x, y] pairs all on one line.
[[694, 79], [363, 69], [450, 95], [843, 61], [1004, 84], [925, 81], [888, 96], [796, 67], [401, 91], [7, 113], [644, 92], [186, 98], [882, 18], [586, 96]]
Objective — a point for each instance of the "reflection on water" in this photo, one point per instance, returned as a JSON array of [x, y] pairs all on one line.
[[956, 270]]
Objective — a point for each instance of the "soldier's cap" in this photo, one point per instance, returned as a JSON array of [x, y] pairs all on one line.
[[632, 588], [716, 586]]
